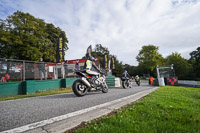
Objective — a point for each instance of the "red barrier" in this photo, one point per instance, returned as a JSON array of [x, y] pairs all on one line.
[[172, 81]]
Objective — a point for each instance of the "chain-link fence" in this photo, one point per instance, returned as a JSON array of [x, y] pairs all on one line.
[[20, 70], [12, 70]]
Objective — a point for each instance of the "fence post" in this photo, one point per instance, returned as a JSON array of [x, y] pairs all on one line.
[[24, 78], [56, 72], [63, 71]]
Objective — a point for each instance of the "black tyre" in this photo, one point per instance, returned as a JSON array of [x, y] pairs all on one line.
[[79, 88], [138, 83], [125, 84], [105, 88]]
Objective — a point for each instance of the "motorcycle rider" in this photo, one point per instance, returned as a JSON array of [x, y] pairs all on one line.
[[89, 80], [89, 64], [126, 75], [137, 79]]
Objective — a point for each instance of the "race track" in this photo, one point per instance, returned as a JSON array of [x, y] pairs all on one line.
[[17, 113]]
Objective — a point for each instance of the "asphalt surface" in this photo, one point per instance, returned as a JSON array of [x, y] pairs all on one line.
[[17, 113]]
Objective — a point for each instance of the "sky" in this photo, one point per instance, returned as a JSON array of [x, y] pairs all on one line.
[[122, 26]]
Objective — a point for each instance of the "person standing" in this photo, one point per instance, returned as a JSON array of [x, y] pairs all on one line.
[[151, 80], [66, 69], [7, 77], [41, 67], [77, 66]]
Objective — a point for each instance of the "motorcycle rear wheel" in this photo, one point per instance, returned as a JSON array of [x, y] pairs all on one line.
[[79, 88]]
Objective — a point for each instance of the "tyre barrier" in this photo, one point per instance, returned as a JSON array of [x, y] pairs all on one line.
[[118, 82]]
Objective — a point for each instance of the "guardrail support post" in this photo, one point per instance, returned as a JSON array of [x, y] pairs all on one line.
[[24, 71]]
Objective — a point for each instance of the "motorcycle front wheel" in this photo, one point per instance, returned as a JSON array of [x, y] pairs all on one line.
[[79, 88], [125, 84], [105, 88]]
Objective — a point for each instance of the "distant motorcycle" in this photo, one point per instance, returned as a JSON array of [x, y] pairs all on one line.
[[127, 82], [87, 83], [137, 80]]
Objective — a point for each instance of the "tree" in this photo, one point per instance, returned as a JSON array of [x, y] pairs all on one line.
[[132, 70], [99, 52], [118, 68], [22, 36], [195, 61], [149, 58], [181, 66]]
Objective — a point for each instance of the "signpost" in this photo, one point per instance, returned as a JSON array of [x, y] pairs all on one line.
[[164, 72]]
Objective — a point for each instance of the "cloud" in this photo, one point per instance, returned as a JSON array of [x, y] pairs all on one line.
[[123, 26]]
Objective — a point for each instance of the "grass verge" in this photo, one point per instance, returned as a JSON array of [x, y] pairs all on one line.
[[39, 93], [144, 79], [168, 109]]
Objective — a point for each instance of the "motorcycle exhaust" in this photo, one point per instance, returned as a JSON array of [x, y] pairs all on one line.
[[86, 82]]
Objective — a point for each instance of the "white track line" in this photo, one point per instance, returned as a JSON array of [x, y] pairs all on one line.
[[62, 117]]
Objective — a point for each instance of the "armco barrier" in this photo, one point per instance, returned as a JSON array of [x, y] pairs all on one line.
[[110, 80], [155, 82], [189, 85], [12, 88], [68, 82], [32, 86]]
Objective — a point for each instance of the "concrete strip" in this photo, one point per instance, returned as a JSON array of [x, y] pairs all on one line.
[[27, 98], [37, 130], [65, 122]]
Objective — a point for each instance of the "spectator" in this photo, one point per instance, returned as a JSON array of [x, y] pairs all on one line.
[[7, 77], [41, 67], [77, 66], [3, 79], [66, 68]]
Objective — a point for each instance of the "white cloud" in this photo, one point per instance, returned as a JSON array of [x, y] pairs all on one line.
[[123, 26]]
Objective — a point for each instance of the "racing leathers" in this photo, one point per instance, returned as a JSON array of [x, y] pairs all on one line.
[[126, 75], [89, 65]]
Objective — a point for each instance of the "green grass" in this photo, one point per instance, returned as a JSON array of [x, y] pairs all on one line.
[[144, 79], [39, 93], [167, 110]]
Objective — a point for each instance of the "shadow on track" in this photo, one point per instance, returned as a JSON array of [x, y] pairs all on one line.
[[60, 96]]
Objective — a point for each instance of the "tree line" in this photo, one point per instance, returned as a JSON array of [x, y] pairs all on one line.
[[25, 37], [100, 51], [149, 57]]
